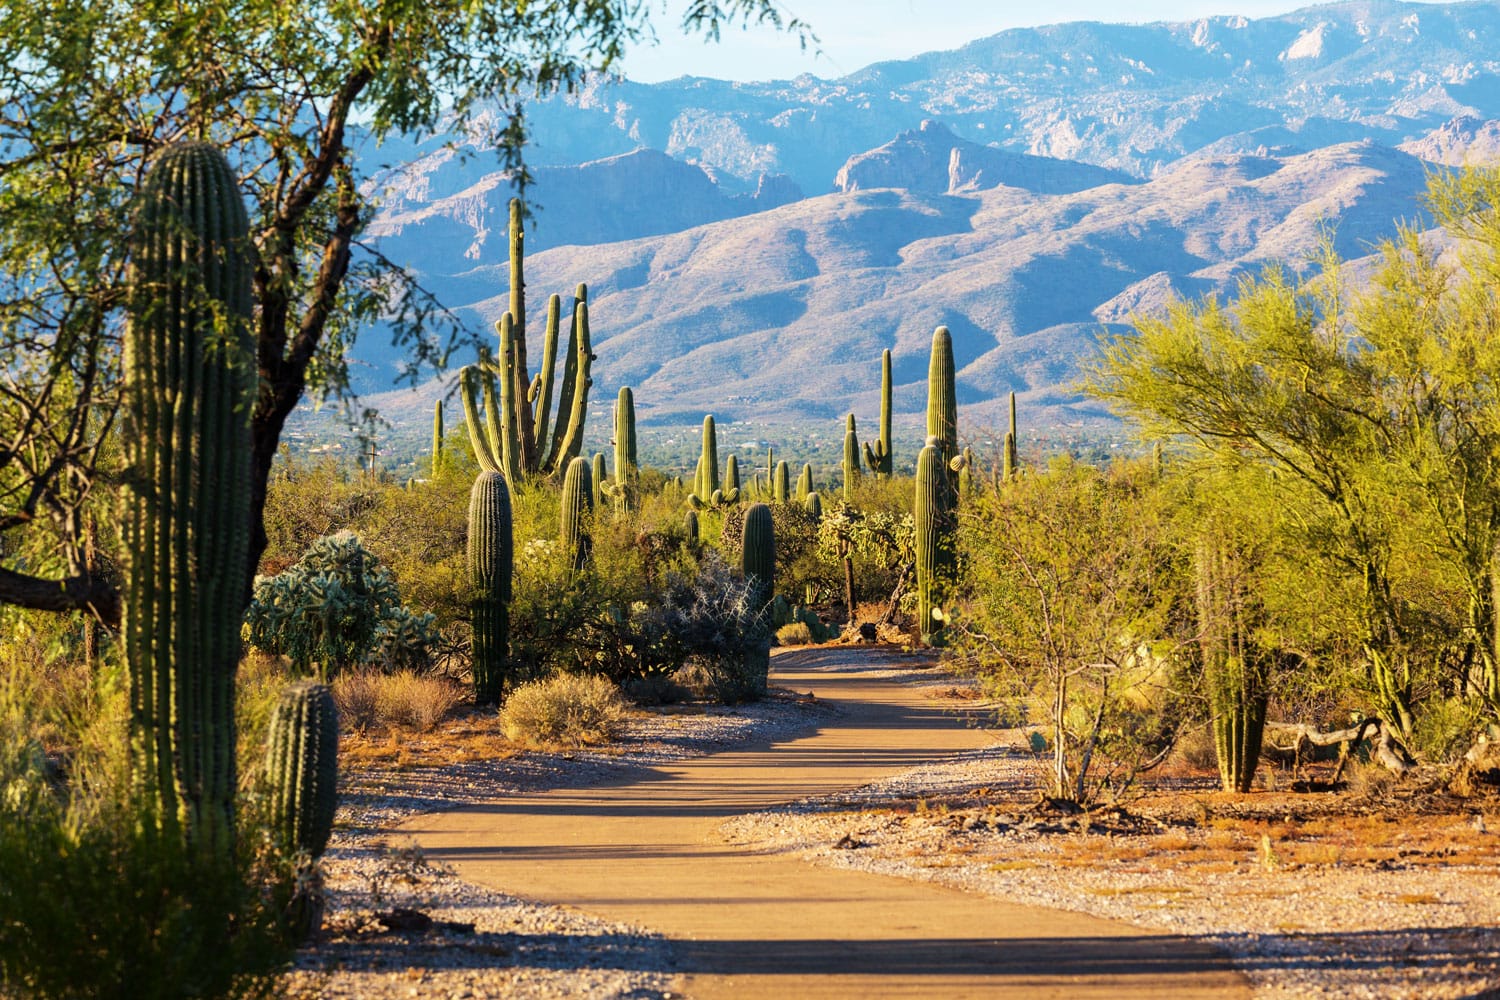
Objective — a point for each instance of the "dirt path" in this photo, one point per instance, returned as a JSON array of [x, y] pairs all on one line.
[[645, 850]]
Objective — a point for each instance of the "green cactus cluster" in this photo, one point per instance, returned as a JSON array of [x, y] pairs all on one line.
[[707, 492], [519, 434], [879, 457], [302, 755], [490, 560], [189, 389]]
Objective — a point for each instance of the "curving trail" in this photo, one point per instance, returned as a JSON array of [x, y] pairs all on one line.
[[644, 850]]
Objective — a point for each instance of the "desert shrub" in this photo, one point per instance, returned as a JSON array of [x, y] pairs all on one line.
[[564, 710], [357, 696], [795, 634], [712, 625], [335, 608]]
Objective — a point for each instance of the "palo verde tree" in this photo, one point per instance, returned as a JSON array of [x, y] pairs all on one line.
[[1382, 404], [90, 89]]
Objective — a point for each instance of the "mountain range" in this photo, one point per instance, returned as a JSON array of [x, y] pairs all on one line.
[[752, 247]]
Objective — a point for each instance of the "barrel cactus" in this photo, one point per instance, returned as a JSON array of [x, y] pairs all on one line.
[[302, 753], [189, 389], [490, 560]]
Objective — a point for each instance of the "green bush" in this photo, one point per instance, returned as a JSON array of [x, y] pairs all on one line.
[[564, 710], [335, 608]]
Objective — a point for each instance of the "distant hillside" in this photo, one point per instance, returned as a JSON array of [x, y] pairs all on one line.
[[1032, 190]]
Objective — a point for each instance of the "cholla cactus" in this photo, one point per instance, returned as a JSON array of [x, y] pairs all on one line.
[[325, 611]]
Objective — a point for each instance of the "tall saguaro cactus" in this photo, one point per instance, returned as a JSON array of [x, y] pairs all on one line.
[[1235, 668], [707, 490], [623, 487], [514, 435], [942, 406], [491, 559], [1012, 463], [805, 481], [437, 437], [879, 457], [781, 487], [189, 387]]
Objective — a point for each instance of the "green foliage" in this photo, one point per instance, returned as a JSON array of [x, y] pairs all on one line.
[[335, 608], [564, 710], [720, 629], [1075, 585], [1377, 409], [302, 761]]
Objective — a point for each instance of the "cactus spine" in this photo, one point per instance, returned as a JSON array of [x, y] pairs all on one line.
[[189, 388], [851, 459], [302, 759], [437, 437], [931, 514], [490, 559], [782, 489], [576, 511], [879, 457]]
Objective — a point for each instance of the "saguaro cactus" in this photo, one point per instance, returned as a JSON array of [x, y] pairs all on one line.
[[758, 552], [782, 488], [576, 511], [623, 488], [813, 504], [931, 514], [805, 481], [302, 759], [491, 558], [851, 458], [1012, 463], [189, 388], [1234, 667], [602, 486], [437, 437], [942, 400], [707, 491], [513, 432], [690, 527], [879, 457]]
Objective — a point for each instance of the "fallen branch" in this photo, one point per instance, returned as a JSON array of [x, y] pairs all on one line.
[[1295, 739]]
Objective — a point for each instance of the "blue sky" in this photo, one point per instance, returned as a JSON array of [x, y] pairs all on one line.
[[855, 33]]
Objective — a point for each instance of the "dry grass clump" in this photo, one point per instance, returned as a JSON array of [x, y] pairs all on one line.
[[794, 634], [404, 699], [568, 710]]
